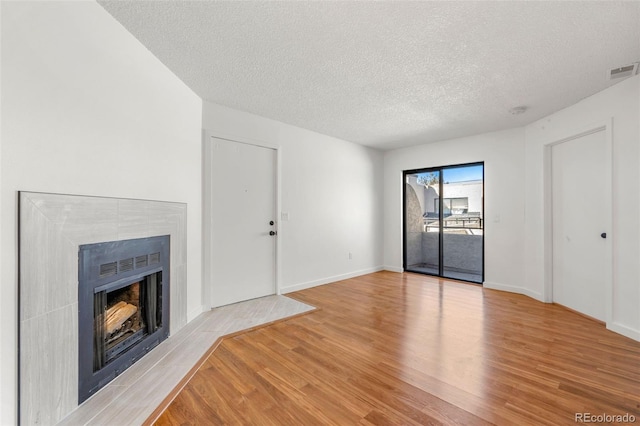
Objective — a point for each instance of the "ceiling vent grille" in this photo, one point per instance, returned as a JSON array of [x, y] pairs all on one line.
[[623, 72]]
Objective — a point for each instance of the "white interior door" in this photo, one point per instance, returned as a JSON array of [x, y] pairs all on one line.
[[243, 203], [579, 203]]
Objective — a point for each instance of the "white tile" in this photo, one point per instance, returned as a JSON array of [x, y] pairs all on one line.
[[145, 384], [48, 276], [84, 220], [138, 401], [47, 367], [190, 351], [93, 406], [133, 219], [51, 228]]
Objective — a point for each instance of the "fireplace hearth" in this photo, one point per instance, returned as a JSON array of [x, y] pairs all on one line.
[[52, 228], [123, 307]]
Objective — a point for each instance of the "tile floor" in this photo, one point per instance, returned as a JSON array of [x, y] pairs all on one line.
[[133, 396]]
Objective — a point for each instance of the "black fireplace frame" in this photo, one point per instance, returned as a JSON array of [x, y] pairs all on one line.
[[108, 266]]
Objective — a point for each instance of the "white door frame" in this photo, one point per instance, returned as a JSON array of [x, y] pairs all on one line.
[[607, 128], [207, 208]]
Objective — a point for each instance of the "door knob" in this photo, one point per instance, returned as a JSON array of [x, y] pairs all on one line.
[[603, 235], [271, 222], [272, 233]]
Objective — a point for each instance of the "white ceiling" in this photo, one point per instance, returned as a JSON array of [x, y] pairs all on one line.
[[389, 74]]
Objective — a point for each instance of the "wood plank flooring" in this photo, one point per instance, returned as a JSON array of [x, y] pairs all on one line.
[[407, 349]]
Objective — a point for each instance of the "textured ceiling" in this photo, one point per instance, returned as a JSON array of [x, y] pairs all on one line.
[[389, 74]]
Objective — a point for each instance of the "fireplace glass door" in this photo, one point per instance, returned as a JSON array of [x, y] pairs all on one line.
[[124, 316]]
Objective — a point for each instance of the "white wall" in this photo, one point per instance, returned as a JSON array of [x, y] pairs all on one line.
[[503, 156], [514, 196], [620, 103], [329, 187], [8, 355], [86, 109]]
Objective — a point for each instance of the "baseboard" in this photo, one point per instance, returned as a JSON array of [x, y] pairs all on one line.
[[309, 284], [392, 269], [513, 289], [625, 331]]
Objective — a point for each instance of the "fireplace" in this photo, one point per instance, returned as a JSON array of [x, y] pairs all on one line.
[[123, 307]]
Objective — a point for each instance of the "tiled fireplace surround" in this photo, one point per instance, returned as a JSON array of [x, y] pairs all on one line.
[[52, 226], [51, 229]]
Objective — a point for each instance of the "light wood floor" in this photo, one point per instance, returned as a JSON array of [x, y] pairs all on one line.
[[407, 349]]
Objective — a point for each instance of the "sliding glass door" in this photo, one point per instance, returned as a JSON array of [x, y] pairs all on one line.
[[444, 221]]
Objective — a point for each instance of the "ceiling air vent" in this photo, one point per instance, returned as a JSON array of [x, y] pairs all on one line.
[[623, 72]]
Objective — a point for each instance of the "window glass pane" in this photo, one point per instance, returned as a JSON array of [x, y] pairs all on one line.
[[422, 223], [443, 222], [462, 233]]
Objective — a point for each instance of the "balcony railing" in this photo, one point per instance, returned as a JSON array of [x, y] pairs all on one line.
[[458, 221]]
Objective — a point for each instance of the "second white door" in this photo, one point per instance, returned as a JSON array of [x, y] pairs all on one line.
[[243, 214], [579, 203]]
